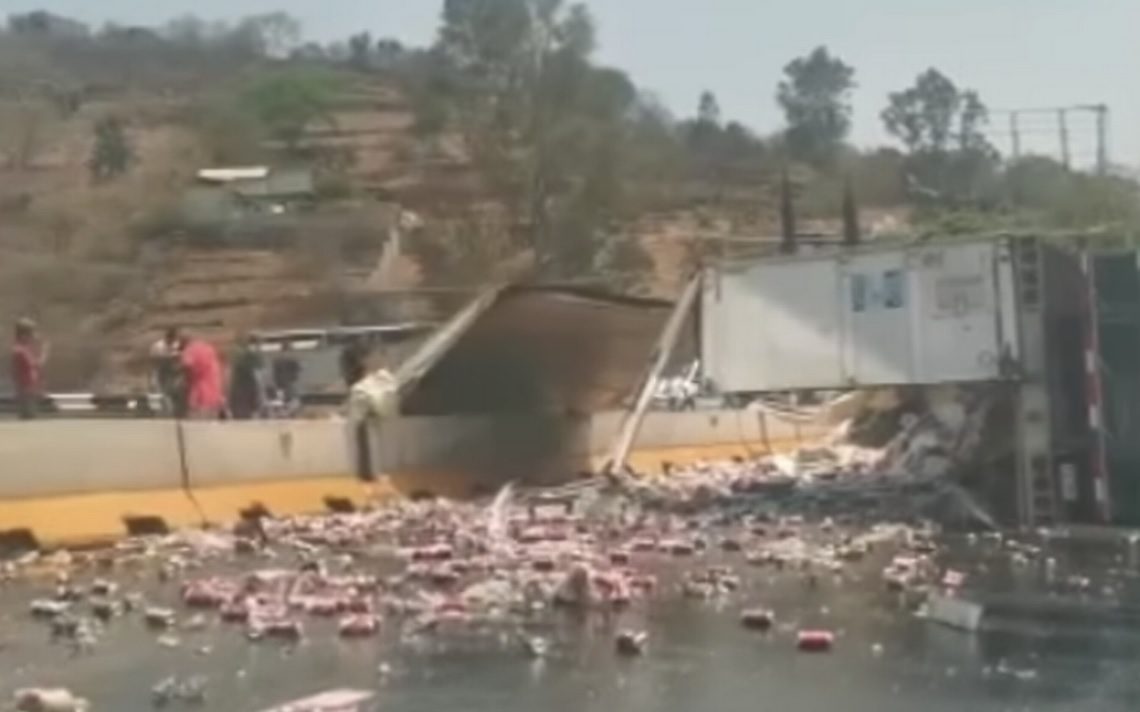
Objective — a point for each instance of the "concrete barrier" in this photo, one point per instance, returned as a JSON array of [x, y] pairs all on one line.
[[280, 467], [684, 437], [464, 455], [664, 430], [81, 482], [69, 482]]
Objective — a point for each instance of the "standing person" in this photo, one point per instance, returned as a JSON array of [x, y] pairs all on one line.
[[29, 354], [247, 381], [354, 362], [166, 372], [203, 371], [286, 379], [354, 368]]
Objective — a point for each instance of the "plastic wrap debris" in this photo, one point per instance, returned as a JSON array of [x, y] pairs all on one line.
[[49, 700], [757, 619], [376, 396], [535, 646], [191, 690], [955, 613], [159, 618], [331, 701], [43, 608], [358, 626], [631, 643]]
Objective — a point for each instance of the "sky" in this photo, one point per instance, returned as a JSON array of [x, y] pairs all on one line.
[[1016, 53]]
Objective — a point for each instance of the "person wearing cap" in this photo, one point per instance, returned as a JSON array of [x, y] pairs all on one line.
[[29, 354]]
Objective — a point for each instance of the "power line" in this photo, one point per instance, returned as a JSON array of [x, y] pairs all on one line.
[[1058, 120]]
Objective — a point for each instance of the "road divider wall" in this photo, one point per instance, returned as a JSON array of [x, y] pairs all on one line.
[[77, 482], [663, 430], [65, 483], [275, 467], [244, 452], [489, 451], [67, 457]]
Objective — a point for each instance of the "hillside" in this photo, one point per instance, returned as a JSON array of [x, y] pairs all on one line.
[[504, 151], [106, 267]]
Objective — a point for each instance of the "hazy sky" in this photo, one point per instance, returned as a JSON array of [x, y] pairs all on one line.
[[1016, 53]]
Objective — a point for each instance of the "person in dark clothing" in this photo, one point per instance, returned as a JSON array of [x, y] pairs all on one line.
[[247, 381], [286, 379], [354, 362], [167, 376]]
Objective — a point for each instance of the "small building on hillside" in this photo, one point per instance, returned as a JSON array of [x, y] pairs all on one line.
[[47, 24], [224, 196]]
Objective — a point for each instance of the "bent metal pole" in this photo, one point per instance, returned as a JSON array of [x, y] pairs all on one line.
[[631, 423]]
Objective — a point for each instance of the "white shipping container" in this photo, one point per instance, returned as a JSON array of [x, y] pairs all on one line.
[[917, 314]]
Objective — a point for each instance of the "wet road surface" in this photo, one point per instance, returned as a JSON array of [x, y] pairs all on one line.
[[699, 656]]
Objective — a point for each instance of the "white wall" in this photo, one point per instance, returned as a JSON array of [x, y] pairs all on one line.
[[60, 457], [485, 443], [220, 453], [56, 458]]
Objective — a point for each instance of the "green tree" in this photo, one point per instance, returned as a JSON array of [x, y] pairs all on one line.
[[112, 154], [950, 161], [273, 34], [936, 116], [708, 111], [816, 99], [389, 52], [546, 128], [702, 134], [360, 51], [288, 102]]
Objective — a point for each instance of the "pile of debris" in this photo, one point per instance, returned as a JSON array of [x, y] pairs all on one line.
[[427, 567], [913, 476], [436, 569]]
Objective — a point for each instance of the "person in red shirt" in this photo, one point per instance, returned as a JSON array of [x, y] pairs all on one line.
[[203, 369], [29, 355]]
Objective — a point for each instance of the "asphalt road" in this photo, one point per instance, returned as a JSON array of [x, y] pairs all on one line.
[[699, 657]]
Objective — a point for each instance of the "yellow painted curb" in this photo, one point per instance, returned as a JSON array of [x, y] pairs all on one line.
[[96, 519], [225, 504], [93, 519]]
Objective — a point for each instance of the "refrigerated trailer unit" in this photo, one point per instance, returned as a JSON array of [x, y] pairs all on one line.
[[887, 316], [1020, 311]]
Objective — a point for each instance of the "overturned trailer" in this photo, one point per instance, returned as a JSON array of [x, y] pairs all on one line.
[[509, 389], [1052, 323]]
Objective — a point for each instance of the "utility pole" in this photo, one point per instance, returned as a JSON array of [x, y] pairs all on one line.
[[1101, 139], [1015, 133], [788, 243], [1063, 126], [1018, 132]]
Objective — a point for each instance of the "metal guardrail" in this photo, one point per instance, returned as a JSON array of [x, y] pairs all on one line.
[[148, 405]]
